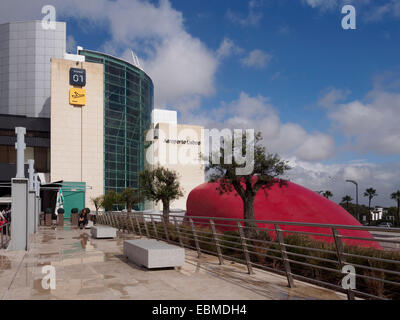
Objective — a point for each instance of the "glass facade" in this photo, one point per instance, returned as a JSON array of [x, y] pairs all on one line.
[[128, 102]]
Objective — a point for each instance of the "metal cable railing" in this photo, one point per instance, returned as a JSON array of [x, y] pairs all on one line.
[[274, 246]]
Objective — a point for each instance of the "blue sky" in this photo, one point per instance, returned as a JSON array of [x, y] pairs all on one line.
[[326, 99]]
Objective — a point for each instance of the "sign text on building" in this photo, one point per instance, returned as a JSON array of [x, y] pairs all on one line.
[[77, 96], [77, 77]]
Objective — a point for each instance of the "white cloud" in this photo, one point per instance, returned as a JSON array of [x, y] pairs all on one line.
[[256, 59], [258, 113], [318, 176], [253, 17], [331, 5], [228, 48], [181, 66], [377, 13], [324, 5], [331, 96], [71, 44], [371, 126]]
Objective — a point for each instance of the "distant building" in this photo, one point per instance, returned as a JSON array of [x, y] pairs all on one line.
[[177, 147], [377, 214]]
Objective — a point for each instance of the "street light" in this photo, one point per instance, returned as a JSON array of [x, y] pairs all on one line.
[[353, 182]]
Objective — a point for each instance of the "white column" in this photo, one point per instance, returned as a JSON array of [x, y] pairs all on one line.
[[20, 146], [19, 229]]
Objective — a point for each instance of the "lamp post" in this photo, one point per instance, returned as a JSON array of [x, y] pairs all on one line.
[[356, 184]]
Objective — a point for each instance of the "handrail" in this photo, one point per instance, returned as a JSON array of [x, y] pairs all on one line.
[[294, 253]]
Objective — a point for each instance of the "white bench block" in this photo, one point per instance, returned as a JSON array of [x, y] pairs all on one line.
[[100, 232], [154, 254], [89, 225]]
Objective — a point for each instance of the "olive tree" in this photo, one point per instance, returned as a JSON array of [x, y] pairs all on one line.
[[97, 202], [130, 197], [162, 185], [267, 169]]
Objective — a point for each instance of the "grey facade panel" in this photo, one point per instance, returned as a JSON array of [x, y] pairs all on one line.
[[25, 52]]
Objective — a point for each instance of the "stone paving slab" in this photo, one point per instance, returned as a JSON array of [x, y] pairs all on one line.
[[88, 269]]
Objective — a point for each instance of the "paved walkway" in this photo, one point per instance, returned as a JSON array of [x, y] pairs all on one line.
[[88, 268]]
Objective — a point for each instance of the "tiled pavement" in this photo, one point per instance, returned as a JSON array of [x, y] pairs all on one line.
[[89, 268]]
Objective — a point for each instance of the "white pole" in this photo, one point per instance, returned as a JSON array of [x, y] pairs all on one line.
[[31, 172], [20, 146]]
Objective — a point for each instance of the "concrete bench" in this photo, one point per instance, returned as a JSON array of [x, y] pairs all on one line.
[[89, 225], [154, 254], [101, 232]]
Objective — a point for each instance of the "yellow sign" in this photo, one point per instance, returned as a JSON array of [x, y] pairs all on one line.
[[77, 96]]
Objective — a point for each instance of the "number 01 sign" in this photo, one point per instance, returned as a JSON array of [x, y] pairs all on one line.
[[77, 77]]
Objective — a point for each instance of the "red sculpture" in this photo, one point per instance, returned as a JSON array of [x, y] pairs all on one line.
[[290, 203]]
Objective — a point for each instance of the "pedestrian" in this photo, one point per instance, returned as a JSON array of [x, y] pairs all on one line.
[[8, 214], [83, 220], [3, 222]]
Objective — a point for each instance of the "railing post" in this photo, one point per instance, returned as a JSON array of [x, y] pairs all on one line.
[[132, 224], [1, 229], [244, 246], [341, 258], [214, 232], [110, 222], [126, 222], [154, 226], [165, 228], [196, 240], [138, 224], [120, 220], [284, 256], [179, 232], [116, 222], [145, 226]]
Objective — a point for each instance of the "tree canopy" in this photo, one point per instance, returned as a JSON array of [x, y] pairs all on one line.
[[161, 184], [267, 170], [130, 197]]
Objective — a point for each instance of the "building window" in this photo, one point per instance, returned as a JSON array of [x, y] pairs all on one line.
[[8, 154], [41, 160]]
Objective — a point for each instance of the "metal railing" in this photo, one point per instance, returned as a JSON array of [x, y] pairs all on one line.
[[5, 236], [280, 247]]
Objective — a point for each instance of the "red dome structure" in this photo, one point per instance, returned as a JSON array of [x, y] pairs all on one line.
[[290, 203]]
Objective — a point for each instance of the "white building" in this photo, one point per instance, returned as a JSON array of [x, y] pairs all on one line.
[[177, 147], [377, 214]]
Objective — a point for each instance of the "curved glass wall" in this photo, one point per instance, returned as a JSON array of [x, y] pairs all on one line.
[[128, 102]]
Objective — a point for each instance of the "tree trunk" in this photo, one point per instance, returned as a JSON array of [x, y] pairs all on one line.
[[166, 211], [248, 214], [398, 212], [369, 211]]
